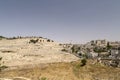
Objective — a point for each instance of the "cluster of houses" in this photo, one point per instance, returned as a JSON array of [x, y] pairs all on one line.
[[104, 51]]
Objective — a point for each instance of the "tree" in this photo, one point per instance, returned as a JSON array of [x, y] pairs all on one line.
[[109, 46], [75, 49], [2, 37], [33, 41], [48, 40]]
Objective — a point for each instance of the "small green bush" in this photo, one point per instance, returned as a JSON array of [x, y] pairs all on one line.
[[64, 50], [48, 40], [33, 41], [83, 62]]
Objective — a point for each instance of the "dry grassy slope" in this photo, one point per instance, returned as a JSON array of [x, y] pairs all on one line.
[[34, 61], [66, 71], [19, 52]]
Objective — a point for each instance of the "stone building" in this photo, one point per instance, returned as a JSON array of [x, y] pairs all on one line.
[[115, 53], [114, 44], [99, 43]]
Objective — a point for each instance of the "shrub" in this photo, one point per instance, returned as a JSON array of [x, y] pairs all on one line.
[[60, 44], [109, 46], [2, 37], [48, 40], [99, 49], [83, 62], [75, 49], [33, 41], [64, 50]]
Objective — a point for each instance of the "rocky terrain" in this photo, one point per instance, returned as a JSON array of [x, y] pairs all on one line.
[[43, 59], [23, 54], [19, 52]]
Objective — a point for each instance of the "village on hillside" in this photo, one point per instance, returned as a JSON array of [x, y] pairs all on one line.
[[102, 51], [36, 55]]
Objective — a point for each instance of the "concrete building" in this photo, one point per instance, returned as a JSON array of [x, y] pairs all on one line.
[[115, 53], [115, 44], [92, 55], [99, 43]]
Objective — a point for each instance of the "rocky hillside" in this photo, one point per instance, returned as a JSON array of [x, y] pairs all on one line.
[[32, 50]]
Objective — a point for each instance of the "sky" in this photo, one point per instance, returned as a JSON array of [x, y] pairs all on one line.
[[76, 21]]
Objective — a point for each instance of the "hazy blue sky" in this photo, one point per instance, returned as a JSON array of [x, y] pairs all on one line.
[[61, 20]]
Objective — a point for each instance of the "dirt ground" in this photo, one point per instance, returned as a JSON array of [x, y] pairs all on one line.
[[64, 71]]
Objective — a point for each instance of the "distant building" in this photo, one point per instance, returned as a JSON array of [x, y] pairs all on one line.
[[92, 55], [115, 44], [115, 53], [99, 43]]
